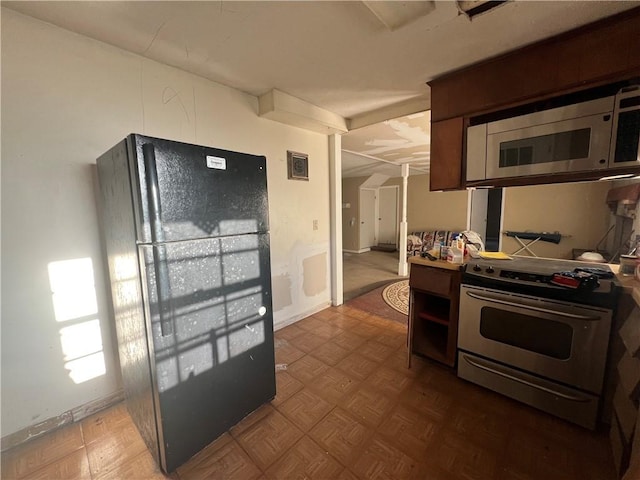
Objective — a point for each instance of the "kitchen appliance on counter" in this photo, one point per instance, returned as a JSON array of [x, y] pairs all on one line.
[[595, 134], [535, 341], [187, 237]]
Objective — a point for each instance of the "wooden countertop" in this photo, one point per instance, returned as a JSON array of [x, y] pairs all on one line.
[[442, 264]]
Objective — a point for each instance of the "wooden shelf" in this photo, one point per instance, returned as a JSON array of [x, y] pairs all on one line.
[[432, 342], [433, 313], [438, 317]]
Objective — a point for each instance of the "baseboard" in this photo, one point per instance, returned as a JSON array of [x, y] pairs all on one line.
[[362, 250], [289, 321], [83, 411], [53, 423], [385, 247]]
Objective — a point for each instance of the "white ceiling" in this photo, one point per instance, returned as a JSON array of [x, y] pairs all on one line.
[[384, 147], [340, 56]]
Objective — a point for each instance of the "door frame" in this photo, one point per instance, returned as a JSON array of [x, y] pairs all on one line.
[[485, 198]]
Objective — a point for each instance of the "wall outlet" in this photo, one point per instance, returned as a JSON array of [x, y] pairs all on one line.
[[315, 224]]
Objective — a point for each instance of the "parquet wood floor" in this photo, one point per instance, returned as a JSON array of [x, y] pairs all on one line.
[[346, 408]]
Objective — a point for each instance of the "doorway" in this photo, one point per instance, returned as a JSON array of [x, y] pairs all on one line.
[[485, 216], [370, 266]]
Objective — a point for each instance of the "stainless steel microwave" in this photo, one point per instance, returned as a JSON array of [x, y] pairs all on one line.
[[597, 134]]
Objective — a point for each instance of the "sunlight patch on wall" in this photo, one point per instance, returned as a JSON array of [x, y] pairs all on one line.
[[86, 368], [73, 295], [73, 292], [81, 339]]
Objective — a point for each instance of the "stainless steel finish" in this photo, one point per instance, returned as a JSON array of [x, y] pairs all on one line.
[[524, 381], [536, 265], [569, 112], [541, 344], [559, 313], [476, 152], [565, 402], [631, 92], [598, 147], [540, 266], [585, 367], [483, 151]]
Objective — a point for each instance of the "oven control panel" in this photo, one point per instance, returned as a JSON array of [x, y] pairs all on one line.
[[532, 276], [524, 276], [489, 269]]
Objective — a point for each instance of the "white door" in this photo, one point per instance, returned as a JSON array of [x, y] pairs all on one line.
[[388, 215], [478, 212], [367, 218]]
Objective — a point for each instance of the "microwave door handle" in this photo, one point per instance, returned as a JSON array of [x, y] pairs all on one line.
[[486, 368], [536, 309]]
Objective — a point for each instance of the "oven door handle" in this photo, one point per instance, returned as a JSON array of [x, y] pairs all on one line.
[[537, 309], [573, 398]]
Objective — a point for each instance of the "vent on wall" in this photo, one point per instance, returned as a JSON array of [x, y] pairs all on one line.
[[471, 8]]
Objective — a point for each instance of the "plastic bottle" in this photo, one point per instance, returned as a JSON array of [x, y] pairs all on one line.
[[454, 255], [436, 249]]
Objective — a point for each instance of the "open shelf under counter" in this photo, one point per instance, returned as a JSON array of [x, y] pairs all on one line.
[[433, 310], [435, 317]]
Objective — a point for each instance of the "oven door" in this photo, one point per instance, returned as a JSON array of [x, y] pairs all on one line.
[[561, 341]]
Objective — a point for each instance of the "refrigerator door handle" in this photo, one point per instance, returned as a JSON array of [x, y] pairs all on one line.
[[153, 192], [163, 285]]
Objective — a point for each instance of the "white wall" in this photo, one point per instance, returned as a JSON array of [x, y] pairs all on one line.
[[578, 211], [427, 210], [65, 100]]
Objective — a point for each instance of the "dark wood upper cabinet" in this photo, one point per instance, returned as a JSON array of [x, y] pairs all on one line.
[[600, 53], [446, 153], [604, 53]]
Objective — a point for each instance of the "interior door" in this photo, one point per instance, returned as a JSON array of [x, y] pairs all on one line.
[[367, 218], [478, 212], [388, 215]]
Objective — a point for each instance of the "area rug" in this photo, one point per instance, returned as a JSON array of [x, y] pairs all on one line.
[[396, 296], [372, 302]]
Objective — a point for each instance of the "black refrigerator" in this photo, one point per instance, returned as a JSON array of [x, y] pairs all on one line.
[[187, 240]]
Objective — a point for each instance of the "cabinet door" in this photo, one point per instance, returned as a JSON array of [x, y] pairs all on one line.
[[611, 50], [446, 154], [604, 52]]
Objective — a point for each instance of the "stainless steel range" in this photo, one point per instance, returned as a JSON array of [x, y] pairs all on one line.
[[542, 343]]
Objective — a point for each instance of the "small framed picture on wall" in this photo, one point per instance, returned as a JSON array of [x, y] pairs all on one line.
[[297, 165]]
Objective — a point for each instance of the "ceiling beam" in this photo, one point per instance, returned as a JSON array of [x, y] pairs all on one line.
[[285, 108], [407, 107]]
